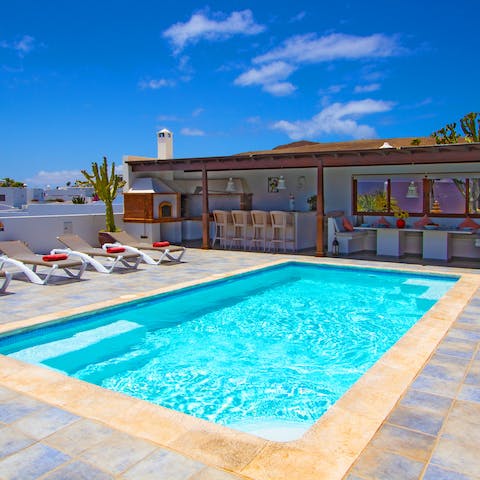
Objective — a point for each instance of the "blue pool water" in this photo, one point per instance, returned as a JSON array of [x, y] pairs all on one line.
[[267, 352]]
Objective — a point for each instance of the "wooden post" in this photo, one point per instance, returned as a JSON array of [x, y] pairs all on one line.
[[320, 215], [426, 195], [205, 212]]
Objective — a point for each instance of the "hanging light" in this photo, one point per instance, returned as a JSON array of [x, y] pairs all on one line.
[[230, 188], [281, 183], [412, 191]]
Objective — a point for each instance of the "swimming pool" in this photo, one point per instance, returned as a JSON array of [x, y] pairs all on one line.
[[275, 348]]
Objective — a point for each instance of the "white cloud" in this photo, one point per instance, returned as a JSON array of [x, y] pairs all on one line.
[[299, 16], [201, 27], [372, 87], [155, 84], [270, 77], [54, 178], [332, 89], [192, 132], [280, 62], [169, 118], [280, 89], [197, 112], [309, 48], [22, 46], [338, 118]]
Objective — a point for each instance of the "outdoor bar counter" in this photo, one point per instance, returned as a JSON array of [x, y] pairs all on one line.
[[436, 243]]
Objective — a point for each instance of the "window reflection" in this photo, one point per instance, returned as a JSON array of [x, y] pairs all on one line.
[[372, 196], [447, 195]]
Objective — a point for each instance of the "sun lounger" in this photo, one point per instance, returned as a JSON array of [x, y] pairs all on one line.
[[84, 250], [17, 253], [170, 252], [7, 276]]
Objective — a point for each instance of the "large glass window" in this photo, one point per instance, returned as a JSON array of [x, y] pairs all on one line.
[[372, 195], [474, 196], [406, 194], [456, 195], [447, 195]]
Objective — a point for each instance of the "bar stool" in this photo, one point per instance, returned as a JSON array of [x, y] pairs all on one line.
[[242, 225], [223, 227], [280, 226], [260, 224]]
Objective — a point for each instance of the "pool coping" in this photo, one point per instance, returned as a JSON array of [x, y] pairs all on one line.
[[326, 450]]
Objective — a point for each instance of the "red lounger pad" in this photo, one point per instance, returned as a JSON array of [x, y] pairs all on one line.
[[161, 244], [54, 257]]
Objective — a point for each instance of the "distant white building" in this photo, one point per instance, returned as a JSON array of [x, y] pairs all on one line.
[[66, 194], [13, 197]]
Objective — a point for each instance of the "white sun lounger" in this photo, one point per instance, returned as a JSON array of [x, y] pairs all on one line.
[[16, 253], [171, 252], [84, 250], [7, 276]]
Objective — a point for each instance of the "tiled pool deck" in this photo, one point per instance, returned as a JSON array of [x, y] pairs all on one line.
[[415, 415]]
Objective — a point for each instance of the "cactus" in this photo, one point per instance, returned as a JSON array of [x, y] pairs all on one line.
[[448, 134], [471, 129], [106, 187], [470, 124]]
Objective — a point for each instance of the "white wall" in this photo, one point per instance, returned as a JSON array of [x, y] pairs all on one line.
[[34, 209], [40, 232], [14, 196]]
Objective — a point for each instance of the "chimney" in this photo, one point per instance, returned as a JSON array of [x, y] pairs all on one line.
[[164, 144]]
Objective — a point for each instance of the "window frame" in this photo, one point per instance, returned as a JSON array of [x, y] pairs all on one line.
[[426, 195]]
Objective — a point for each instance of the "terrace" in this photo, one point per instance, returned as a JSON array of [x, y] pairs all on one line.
[[413, 415]]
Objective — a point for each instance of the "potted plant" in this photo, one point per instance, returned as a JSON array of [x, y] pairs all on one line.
[[401, 216], [106, 188], [312, 202]]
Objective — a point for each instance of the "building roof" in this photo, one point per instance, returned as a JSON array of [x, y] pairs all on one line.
[[306, 154], [304, 146]]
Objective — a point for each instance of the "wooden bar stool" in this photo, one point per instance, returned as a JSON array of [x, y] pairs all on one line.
[[242, 225], [281, 224], [223, 227], [260, 224]]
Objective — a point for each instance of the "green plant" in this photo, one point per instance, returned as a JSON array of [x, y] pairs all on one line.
[[10, 182], [470, 125], [78, 200], [106, 187], [372, 202], [415, 142]]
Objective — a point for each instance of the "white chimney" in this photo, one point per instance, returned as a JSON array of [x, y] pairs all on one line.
[[165, 144]]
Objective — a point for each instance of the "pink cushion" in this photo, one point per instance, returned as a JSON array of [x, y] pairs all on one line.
[[160, 244], [347, 225], [383, 221], [425, 220], [54, 257], [469, 223], [115, 249]]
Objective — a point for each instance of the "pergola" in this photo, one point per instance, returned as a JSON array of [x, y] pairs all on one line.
[[310, 156]]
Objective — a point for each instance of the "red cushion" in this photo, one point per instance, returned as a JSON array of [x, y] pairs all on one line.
[[53, 257], [383, 221], [425, 220], [160, 244], [347, 225], [115, 249], [469, 223]]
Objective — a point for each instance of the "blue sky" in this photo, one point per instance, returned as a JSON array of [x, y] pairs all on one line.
[[79, 80]]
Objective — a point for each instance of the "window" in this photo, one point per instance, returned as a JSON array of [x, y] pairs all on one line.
[[447, 195], [474, 196], [442, 195], [3, 197], [407, 194], [372, 195]]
